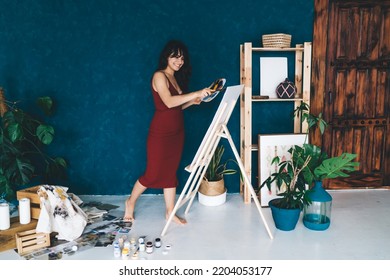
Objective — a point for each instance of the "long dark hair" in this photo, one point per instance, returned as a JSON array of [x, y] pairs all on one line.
[[177, 48]]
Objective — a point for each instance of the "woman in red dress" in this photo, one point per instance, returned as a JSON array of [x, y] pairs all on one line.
[[166, 133]]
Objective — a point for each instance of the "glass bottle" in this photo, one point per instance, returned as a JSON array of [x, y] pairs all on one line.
[[316, 216]]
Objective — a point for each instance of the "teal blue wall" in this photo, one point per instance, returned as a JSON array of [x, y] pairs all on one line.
[[96, 58]]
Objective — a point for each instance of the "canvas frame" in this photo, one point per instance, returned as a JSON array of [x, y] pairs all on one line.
[[271, 145]]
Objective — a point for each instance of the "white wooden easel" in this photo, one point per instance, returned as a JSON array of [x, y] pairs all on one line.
[[198, 167]]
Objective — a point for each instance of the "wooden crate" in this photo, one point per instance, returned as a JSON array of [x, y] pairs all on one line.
[[7, 237], [30, 240], [35, 202]]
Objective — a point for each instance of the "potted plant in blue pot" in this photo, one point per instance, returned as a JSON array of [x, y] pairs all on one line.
[[301, 176]]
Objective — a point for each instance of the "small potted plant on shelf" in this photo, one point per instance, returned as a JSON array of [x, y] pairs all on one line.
[[22, 142], [308, 165], [212, 190]]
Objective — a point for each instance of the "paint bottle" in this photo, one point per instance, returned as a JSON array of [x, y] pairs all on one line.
[[122, 240], [157, 243], [126, 245], [149, 247], [133, 244], [125, 253], [141, 244], [135, 256], [117, 249]]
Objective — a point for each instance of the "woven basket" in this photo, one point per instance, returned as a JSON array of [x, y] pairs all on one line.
[[278, 40], [212, 188]]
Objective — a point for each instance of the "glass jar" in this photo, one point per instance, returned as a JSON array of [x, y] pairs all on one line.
[[316, 216]]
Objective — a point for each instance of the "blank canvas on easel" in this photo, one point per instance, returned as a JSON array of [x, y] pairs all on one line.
[[229, 100]]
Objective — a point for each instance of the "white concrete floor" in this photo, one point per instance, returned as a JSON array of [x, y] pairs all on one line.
[[359, 230]]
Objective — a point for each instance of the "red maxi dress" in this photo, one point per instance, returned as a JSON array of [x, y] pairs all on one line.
[[164, 144]]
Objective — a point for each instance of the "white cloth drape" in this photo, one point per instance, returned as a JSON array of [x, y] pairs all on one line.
[[59, 213]]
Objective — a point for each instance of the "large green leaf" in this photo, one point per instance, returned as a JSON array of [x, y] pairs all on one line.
[[45, 133], [8, 118], [19, 171], [13, 125], [5, 187], [336, 167], [216, 170], [61, 162], [317, 156], [15, 132], [46, 104], [56, 169]]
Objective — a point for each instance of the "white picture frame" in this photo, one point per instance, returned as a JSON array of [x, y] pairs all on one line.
[[270, 146]]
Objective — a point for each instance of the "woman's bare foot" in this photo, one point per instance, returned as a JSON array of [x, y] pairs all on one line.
[[129, 211], [176, 219]]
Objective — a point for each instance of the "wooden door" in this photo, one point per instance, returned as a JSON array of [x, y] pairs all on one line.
[[351, 85]]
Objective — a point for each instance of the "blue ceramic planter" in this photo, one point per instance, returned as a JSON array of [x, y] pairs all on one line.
[[285, 219]]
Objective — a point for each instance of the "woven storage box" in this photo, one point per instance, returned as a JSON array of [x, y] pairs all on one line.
[[278, 40]]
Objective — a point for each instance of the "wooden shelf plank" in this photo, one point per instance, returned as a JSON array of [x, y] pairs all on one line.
[[255, 49], [254, 99]]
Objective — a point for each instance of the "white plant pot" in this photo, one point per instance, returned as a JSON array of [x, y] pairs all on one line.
[[212, 200]]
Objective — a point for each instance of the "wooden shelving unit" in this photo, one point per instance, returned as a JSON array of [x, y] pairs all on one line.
[[302, 82]]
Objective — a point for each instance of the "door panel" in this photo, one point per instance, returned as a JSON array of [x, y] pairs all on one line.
[[353, 52]]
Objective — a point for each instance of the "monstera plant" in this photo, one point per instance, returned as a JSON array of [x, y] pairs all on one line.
[[23, 139]]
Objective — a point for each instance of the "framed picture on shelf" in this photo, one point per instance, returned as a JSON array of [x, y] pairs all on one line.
[[271, 146]]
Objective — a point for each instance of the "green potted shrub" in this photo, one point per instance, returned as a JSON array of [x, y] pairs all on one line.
[[23, 139], [212, 190], [308, 164]]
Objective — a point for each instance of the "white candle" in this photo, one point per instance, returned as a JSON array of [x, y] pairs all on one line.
[[4, 216], [24, 211]]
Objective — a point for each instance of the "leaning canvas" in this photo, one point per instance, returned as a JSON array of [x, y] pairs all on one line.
[[271, 146]]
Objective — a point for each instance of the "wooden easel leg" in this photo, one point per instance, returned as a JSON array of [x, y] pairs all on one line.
[[172, 215], [193, 182], [202, 169], [178, 203], [246, 179], [197, 184]]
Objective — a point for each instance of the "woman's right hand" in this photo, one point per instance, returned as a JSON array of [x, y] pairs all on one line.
[[204, 92]]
